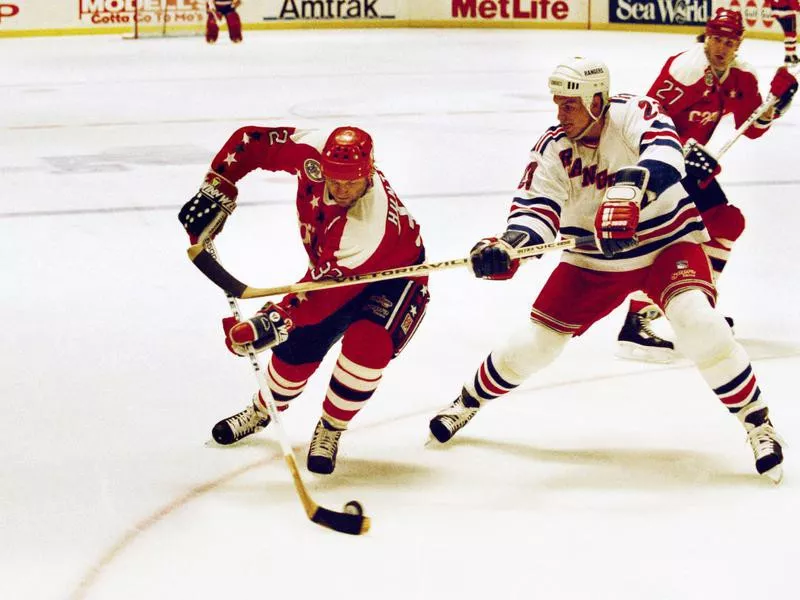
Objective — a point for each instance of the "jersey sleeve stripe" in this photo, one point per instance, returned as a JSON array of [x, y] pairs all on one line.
[[538, 200]]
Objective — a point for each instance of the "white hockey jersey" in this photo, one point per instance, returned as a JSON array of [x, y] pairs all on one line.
[[565, 181]]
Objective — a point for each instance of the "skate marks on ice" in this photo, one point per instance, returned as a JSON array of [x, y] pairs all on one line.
[[757, 348], [597, 469]]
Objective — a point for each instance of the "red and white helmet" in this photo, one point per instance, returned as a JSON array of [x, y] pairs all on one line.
[[726, 23], [347, 154]]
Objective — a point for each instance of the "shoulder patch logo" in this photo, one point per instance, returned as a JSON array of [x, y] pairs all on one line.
[[312, 169]]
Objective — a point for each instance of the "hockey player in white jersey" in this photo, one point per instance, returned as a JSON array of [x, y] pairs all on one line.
[[612, 169]]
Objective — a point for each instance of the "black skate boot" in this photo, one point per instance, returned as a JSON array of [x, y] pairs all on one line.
[[449, 420], [767, 445], [250, 420], [637, 341], [323, 448], [791, 59]]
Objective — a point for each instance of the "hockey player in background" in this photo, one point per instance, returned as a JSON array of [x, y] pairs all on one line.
[[350, 221], [697, 88], [216, 10], [611, 168], [785, 11]]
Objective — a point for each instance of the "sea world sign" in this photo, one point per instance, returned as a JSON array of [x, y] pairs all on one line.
[[659, 12]]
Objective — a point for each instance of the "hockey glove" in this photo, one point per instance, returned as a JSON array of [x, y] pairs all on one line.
[[618, 215], [269, 327], [204, 215], [783, 87], [493, 258], [700, 164]]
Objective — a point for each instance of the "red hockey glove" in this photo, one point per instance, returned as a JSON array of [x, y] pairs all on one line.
[[618, 215], [700, 164], [493, 258], [204, 215], [269, 327], [783, 87]]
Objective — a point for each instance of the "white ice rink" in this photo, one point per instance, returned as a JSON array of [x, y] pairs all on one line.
[[599, 479]]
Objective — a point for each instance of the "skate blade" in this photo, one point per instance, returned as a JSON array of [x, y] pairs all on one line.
[[631, 351], [775, 474]]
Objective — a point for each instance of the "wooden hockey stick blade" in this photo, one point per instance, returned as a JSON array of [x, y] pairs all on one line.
[[338, 521], [341, 521]]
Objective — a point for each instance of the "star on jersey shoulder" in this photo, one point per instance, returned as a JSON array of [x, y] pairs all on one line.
[[230, 159], [315, 201]]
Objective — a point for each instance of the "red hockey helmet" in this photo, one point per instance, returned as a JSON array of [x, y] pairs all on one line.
[[347, 154], [726, 23]]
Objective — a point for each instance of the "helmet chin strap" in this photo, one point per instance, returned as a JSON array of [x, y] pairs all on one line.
[[592, 123]]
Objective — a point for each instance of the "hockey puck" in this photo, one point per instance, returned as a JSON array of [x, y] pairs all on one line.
[[354, 508]]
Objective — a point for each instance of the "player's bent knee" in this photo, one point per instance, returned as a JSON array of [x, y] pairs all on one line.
[[529, 349], [702, 333]]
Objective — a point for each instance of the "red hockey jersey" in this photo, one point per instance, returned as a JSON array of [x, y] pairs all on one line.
[[696, 99], [375, 233]]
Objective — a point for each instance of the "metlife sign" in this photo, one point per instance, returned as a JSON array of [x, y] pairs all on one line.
[[659, 12]]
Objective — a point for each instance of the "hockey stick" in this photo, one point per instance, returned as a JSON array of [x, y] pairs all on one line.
[[351, 521], [762, 108], [211, 268]]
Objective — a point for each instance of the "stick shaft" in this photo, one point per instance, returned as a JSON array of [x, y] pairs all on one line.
[[342, 522], [764, 107], [208, 264]]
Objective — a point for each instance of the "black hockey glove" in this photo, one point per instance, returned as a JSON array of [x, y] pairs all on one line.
[[700, 164], [492, 257], [204, 215]]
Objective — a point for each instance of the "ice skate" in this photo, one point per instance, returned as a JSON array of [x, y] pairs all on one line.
[[637, 341], [449, 420], [791, 59], [767, 448], [323, 448], [244, 423]]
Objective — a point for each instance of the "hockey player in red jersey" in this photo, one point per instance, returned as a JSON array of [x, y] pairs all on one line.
[[612, 168], [216, 10], [785, 12], [350, 221], [697, 88]]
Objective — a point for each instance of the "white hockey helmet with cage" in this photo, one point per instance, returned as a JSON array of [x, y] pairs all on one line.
[[581, 78]]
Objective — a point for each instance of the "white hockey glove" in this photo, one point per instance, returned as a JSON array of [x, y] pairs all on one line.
[[618, 215]]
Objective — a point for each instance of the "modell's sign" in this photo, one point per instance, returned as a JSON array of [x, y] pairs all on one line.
[[660, 12], [8, 10], [539, 10], [91, 7]]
